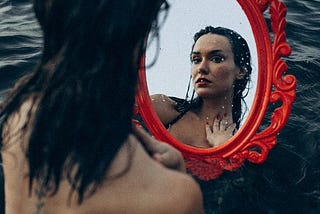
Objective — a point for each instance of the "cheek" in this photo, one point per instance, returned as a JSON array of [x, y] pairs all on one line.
[[223, 74], [193, 73]]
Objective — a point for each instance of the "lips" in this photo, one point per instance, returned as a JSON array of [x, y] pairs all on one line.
[[203, 80]]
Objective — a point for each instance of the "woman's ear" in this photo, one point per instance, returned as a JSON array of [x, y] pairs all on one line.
[[242, 72]]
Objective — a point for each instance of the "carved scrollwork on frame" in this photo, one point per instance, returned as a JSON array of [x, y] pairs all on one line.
[[274, 86]]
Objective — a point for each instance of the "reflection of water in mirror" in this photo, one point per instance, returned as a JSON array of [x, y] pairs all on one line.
[[171, 72]]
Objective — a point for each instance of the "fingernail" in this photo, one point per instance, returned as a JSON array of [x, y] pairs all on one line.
[[218, 117], [137, 123]]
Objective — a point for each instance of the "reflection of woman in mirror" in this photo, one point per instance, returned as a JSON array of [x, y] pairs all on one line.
[[220, 72]]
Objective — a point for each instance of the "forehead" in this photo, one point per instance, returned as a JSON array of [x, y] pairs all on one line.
[[209, 42]]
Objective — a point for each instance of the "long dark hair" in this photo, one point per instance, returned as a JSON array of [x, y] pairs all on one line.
[[83, 88], [242, 59]]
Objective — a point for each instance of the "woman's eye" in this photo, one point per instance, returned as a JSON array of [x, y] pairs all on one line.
[[196, 60], [217, 59]]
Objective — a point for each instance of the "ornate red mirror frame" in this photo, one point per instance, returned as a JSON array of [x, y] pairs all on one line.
[[274, 86]]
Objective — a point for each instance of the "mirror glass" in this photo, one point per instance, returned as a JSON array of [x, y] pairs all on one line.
[[170, 74]]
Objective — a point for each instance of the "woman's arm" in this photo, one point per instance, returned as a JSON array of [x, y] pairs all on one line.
[[164, 107]]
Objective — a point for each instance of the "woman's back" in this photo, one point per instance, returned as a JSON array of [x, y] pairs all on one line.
[[146, 187]]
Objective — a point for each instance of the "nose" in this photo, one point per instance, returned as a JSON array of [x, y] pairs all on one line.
[[202, 67]]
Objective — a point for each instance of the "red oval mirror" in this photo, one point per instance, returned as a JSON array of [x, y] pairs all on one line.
[[273, 86]]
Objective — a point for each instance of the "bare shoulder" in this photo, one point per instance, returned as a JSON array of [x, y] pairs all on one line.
[[187, 196], [148, 187], [170, 191], [19, 118], [164, 107]]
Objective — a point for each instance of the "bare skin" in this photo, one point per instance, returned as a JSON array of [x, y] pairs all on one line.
[[213, 74], [147, 187]]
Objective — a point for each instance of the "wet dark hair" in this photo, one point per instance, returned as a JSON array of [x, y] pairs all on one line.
[[242, 59], [83, 87]]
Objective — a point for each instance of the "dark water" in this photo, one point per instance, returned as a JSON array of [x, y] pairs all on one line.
[[20, 41], [289, 181]]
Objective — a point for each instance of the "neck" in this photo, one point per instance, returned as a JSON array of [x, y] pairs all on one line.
[[211, 108]]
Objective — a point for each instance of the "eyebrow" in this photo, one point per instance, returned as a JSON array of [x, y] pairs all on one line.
[[210, 53]]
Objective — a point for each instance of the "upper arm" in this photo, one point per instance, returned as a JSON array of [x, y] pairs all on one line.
[[164, 107]]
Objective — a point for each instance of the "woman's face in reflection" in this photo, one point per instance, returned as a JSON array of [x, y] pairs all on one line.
[[213, 68]]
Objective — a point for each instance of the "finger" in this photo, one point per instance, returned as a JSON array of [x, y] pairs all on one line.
[[157, 157], [208, 129], [224, 124], [136, 122], [151, 144], [231, 128], [171, 159], [216, 124], [209, 134]]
